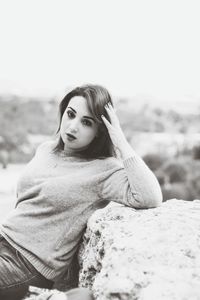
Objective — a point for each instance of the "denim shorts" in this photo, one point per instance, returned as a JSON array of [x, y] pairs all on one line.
[[16, 273]]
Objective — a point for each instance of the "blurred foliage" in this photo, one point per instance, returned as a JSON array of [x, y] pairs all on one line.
[[178, 191], [196, 152], [20, 118], [154, 161], [179, 177], [175, 171], [154, 119], [23, 116]]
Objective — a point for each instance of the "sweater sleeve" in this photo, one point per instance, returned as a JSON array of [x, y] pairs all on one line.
[[134, 185]]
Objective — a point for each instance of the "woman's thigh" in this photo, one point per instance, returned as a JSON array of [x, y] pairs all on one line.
[[16, 273]]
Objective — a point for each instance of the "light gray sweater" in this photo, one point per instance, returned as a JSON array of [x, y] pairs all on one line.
[[58, 193]]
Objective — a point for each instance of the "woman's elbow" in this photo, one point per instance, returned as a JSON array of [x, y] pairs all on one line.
[[155, 200], [147, 199]]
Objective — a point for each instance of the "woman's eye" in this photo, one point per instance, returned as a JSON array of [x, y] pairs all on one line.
[[87, 123], [70, 114]]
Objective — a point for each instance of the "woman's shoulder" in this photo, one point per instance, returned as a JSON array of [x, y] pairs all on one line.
[[48, 145], [112, 162]]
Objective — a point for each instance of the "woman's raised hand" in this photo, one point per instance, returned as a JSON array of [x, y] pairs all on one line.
[[117, 136], [114, 128]]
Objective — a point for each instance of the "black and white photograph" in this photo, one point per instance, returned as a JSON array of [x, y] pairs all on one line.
[[99, 150]]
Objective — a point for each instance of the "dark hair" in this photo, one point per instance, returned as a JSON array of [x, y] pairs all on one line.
[[96, 97]]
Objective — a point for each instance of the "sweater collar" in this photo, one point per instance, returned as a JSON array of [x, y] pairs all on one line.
[[71, 153]]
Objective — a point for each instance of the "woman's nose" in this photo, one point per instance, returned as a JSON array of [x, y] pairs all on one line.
[[73, 127], [73, 130]]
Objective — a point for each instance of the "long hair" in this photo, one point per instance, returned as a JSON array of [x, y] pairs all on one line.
[[96, 97]]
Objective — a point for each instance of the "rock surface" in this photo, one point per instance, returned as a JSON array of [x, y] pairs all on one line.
[[151, 254]]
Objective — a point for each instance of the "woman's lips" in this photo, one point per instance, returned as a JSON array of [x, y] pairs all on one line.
[[70, 137]]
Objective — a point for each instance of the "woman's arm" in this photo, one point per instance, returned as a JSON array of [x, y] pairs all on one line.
[[137, 180]]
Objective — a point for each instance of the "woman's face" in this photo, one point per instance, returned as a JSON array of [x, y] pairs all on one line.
[[78, 127]]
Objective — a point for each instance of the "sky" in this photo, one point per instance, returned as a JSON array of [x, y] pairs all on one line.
[[134, 48]]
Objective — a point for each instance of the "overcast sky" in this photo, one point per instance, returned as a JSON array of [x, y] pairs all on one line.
[[143, 47]]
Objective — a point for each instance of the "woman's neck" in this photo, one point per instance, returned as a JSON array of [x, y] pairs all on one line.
[[74, 152], [71, 152]]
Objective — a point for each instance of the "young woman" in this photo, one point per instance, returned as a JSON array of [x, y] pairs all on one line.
[[89, 163]]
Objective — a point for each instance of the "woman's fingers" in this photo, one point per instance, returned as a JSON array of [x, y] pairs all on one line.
[[113, 117], [114, 129], [106, 122]]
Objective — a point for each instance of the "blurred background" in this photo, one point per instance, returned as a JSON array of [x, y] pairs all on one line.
[[146, 53]]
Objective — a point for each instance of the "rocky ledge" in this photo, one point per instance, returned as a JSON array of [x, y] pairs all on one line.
[[149, 254]]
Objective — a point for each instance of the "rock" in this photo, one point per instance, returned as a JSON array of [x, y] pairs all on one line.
[[149, 254]]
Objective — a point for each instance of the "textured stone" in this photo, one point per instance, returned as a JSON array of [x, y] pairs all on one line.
[[150, 254]]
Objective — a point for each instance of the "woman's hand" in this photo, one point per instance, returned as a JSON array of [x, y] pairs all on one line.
[[117, 136], [114, 128]]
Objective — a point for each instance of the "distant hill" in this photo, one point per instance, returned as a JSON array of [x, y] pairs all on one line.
[[185, 105]]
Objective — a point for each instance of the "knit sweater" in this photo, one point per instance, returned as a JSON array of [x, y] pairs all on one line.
[[56, 194]]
